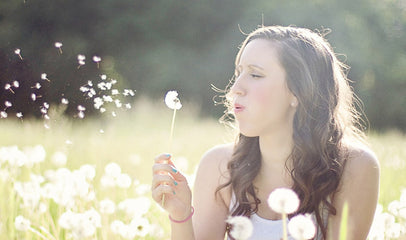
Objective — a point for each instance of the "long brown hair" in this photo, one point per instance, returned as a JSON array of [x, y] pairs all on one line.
[[325, 118]]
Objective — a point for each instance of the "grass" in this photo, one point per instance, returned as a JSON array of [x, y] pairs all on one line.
[[134, 138]]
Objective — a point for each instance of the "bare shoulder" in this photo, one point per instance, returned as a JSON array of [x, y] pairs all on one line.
[[360, 160], [217, 157]]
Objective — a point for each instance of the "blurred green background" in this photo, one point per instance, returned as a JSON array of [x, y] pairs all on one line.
[[156, 46]]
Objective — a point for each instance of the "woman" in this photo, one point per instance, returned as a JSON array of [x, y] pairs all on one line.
[[297, 129]]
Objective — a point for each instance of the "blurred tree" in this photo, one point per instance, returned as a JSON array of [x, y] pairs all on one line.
[[155, 46]]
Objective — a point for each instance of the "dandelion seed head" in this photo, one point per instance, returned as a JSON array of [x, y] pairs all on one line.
[[172, 100], [19, 114], [37, 85], [114, 92], [58, 44], [88, 171], [102, 110], [103, 76], [123, 181], [81, 62], [112, 169], [44, 76], [283, 200], [7, 86], [46, 117], [107, 206], [8, 104], [16, 84], [128, 105], [113, 114], [22, 224], [141, 226], [107, 98], [241, 227], [135, 207], [33, 97], [46, 105], [17, 51], [301, 227]]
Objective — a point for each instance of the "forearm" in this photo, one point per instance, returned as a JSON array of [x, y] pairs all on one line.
[[182, 231]]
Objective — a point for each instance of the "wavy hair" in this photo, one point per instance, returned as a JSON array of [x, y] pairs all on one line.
[[325, 118]]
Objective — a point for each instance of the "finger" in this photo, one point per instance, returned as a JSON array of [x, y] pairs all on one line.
[[159, 167], [159, 179], [164, 157], [158, 192]]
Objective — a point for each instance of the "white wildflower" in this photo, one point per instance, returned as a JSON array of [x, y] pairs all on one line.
[[141, 226], [241, 227], [21, 223], [301, 227], [172, 100], [107, 206], [283, 200]]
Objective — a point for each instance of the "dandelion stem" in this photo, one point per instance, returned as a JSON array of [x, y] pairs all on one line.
[[172, 127], [285, 232], [33, 230]]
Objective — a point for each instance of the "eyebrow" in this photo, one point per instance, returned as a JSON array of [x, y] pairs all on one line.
[[251, 66]]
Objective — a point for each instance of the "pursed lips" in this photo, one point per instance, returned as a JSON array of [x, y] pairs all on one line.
[[238, 108]]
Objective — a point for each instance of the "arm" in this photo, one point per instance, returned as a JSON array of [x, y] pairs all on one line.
[[208, 221], [211, 212], [359, 188]]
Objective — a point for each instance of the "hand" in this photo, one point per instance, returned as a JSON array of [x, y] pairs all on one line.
[[169, 181]]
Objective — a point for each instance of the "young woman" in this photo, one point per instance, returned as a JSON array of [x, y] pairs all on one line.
[[297, 129]]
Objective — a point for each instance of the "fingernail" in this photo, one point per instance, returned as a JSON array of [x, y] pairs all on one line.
[[176, 183], [174, 170]]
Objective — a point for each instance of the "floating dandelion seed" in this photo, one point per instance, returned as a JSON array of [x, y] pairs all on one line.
[[46, 117], [19, 114], [103, 76], [44, 77], [97, 60], [301, 227], [3, 114], [101, 131], [37, 86], [59, 46], [113, 114], [81, 108], [241, 227], [8, 104], [64, 101], [81, 114], [114, 92], [18, 52], [33, 97], [46, 105], [128, 106], [16, 84], [102, 110], [284, 201], [8, 87]]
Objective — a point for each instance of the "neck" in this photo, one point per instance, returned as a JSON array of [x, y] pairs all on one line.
[[276, 148]]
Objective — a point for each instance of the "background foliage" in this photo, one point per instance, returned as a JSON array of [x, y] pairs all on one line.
[[154, 46]]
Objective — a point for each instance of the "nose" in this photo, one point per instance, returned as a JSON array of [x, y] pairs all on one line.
[[237, 88]]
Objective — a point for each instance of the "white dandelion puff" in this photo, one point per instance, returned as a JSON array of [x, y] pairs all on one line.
[[301, 227], [81, 108], [33, 97], [44, 76], [22, 224], [114, 92], [114, 114], [81, 57], [46, 105], [81, 114], [97, 60], [103, 76], [172, 100], [283, 200], [19, 114], [241, 227], [107, 206], [102, 110], [16, 84], [128, 105]]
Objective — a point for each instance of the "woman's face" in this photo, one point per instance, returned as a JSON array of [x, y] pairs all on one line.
[[262, 102]]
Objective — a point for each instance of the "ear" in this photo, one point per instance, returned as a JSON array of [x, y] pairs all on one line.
[[294, 102]]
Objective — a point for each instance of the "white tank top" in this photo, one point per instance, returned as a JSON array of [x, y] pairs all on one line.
[[269, 229]]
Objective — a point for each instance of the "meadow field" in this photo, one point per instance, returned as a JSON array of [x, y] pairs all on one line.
[[100, 169]]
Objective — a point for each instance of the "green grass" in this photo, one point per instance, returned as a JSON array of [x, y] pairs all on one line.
[[142, 133]]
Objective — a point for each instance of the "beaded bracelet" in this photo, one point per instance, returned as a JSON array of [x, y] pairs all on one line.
[[184, 220]]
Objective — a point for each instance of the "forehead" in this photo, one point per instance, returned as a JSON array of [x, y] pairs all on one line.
[[260, 52]]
